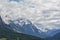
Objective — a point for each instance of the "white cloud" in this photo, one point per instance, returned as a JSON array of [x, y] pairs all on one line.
[[37, 11]]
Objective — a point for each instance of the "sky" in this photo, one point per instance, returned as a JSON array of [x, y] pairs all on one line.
[[44, 14], [16, 0]]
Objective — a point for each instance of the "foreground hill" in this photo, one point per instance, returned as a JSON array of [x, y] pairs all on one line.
[[10, 35]]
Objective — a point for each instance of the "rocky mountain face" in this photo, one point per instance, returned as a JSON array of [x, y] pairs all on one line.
[[21, 33], [0, 21], [21, 26]]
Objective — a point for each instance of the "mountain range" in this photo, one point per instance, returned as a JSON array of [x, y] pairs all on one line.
[[16, 30], [10, 34]]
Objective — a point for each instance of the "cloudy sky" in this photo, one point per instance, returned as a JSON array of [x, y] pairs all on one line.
[[44, 14]]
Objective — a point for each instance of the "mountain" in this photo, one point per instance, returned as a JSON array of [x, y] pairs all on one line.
[[10, 34], [25, 26], [55, 37]]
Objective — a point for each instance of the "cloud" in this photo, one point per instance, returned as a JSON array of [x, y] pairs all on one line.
[[38, 12]]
